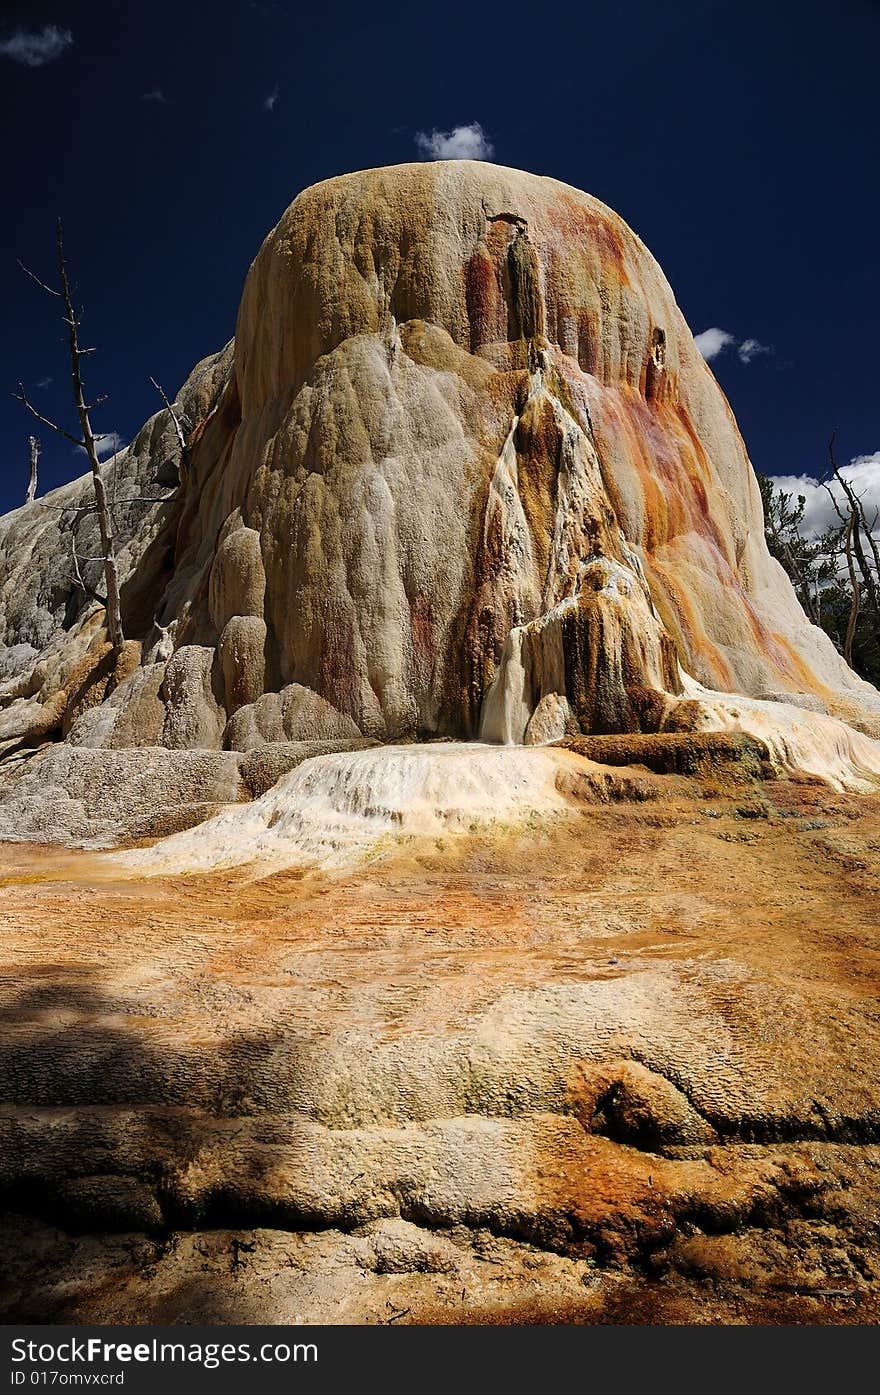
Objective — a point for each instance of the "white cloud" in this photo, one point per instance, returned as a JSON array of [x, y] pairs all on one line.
[[44, 382], [109, 443], [34, 47], [461, 143], [863, 473], [106, 443], [713, 342], [270, 99], [155, 95]]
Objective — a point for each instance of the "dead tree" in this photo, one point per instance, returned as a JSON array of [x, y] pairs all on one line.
[[32, 482], [178, 424], [87, 442], [859, 540], [848, 530], [870, 574], [851, 526]]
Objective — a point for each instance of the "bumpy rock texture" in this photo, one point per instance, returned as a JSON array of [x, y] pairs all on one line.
[[462, 471], [618, 1066]]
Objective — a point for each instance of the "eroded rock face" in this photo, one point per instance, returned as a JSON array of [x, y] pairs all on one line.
[[70, 793], [463, 472]]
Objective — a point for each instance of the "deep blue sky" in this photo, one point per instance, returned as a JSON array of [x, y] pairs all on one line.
[[740, 140]]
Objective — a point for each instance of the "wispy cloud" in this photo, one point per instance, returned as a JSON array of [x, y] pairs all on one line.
[[44, 382], [461, 143], [750, 348], [862, 472], [270, 99], [714, 341], [108, 443], [35, 47], [155, 95]]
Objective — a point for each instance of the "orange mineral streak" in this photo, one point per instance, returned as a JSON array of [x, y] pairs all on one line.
[[662, 444], [702, 658], [783, 656], [597, 238], [586, 274]]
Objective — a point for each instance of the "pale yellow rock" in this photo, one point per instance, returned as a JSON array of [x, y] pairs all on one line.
[[294, 714], [367, 326], [70, 794], [194, 716], [133, 715], [238, 582], [242, 651]]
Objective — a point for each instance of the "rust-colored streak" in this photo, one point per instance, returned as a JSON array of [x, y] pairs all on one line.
[[423, 637], [589, 342], [483, 295], [581, 227], [338, 680]]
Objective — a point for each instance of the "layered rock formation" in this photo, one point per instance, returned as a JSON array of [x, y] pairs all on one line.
[[462, 472]]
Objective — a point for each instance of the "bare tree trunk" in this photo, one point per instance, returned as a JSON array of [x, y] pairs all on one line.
[[852, 523], [860, 525], [32, 482], [105, 524], [86, 442], [796, 571]]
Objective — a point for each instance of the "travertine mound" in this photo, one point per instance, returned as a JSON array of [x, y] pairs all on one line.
[[463, 472]]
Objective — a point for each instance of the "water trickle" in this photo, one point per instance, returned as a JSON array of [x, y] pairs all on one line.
[[333, 808]]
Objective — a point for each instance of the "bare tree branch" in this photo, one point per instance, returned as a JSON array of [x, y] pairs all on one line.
[[92, 595], [146, 499], [90, 592], [20, 396], [90, 443], [861, 524], [76, 568], [64, 508], [837, 509], [840, 565], [178, 428], [77, 560], [41, 284], [795, 568]]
